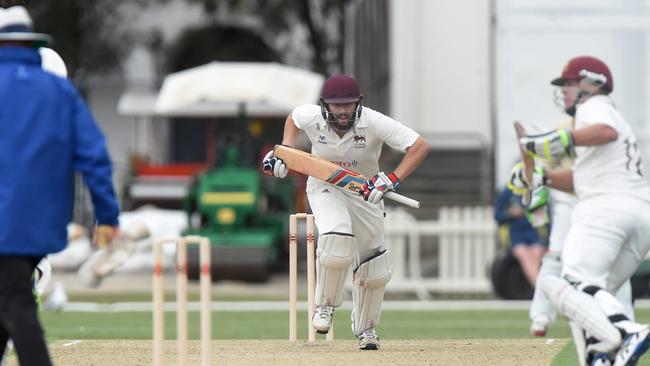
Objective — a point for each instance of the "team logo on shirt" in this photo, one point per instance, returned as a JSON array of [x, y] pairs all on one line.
[[359, 141], [322, 139]]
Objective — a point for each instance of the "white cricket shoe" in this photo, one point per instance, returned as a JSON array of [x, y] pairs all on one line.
[[539, 326], [601, 359], [368, 340], [322, 318], [634, 345]]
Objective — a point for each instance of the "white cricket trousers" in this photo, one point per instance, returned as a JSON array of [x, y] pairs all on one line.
[[338, 211], [609, 237]]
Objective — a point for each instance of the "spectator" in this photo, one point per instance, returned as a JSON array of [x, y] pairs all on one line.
[[525, 242]]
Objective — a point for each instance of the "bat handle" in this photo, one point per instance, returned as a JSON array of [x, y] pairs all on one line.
[[402, 199]]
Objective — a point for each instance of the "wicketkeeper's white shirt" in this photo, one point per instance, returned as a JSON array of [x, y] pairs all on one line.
[[360, 147], [613, 168]]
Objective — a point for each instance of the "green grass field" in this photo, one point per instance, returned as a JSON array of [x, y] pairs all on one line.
[[259, 325]]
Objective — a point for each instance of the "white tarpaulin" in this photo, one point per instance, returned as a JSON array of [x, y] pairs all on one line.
[[272, 85]]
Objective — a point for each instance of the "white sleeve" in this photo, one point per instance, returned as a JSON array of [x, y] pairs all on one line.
[[596, 113], [395, 134], [52, 62], [300, 115]]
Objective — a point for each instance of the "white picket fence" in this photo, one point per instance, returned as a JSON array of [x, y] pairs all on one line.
[[466, 245]]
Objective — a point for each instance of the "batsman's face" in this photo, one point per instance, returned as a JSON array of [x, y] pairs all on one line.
[[570, 91], [343, 112]]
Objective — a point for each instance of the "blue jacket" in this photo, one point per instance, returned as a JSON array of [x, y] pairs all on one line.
[[46, 134], [518, 226]]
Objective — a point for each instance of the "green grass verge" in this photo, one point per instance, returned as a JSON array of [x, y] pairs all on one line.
[[275, 324], [439, 324]]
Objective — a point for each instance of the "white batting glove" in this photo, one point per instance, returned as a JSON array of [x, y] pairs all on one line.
[[517, 184], [274, 166], [551, 146], [375, 188]]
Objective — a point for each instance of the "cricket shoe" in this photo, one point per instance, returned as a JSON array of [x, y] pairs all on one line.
[[601, 359], [322, 318], [539, 327], [368, 340], [634, 345]]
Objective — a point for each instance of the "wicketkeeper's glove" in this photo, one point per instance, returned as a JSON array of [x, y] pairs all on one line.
[[517, 184], [551, 146], [537, 211], [274, 166], [375, 188]]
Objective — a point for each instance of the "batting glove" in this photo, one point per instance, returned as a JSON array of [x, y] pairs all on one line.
[[517, 184], [375, 188], [551, 146], [537, 211], [274, 166]]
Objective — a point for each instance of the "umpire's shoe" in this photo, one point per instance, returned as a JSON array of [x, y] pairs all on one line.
[[322, 318], [634, 345], [368, 340]]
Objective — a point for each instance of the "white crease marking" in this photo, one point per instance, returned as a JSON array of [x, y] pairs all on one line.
[[71, 343]]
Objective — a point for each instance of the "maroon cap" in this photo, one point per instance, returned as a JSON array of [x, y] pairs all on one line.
[[340, 89], [579, 67]]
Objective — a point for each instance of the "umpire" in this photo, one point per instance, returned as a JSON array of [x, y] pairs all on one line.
[[46, 134]]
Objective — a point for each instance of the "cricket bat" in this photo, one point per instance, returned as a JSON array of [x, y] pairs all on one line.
[[305, 163], [528, 161]]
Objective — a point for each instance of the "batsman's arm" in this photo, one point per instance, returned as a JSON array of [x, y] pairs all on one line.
[[291, 132], [412, 159], [560, 179], [596, 134]]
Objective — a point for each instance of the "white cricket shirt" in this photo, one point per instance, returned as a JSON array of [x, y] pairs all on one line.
[[612, 168], [360, 147]]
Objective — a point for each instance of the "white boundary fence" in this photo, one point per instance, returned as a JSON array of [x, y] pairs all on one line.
[[466, 246]]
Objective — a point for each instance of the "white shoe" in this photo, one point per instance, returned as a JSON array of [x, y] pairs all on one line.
[[601, 359], [539, 327], [322, 318], [368, 340], [634, 345]]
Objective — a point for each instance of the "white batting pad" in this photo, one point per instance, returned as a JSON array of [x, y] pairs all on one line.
[[369, 279], [335, 254], [582, 309], [580, 342], [624, 296]]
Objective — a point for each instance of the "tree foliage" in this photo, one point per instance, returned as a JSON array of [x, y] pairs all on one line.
[[91, 35], [322, 20], [94, 35]]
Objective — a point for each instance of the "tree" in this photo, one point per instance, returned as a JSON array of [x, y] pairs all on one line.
[[91, 35], [323, 21]]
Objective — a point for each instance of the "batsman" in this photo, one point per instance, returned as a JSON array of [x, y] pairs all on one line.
[[350, 225]]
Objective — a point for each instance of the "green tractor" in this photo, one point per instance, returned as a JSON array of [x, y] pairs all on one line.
[[243, 215]]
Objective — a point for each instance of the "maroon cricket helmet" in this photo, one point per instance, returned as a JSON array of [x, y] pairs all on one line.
[[340, 89], [589, 67]]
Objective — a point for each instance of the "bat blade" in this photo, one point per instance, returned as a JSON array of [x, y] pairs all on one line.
[[304, 163], [527, 160]]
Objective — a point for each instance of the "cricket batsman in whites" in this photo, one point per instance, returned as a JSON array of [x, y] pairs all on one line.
[[610, 223], [350, 225]]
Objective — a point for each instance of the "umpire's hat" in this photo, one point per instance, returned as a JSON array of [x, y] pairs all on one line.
[[16, 25]]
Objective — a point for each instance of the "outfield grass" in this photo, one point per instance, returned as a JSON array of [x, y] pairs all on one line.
[[439, 324]]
